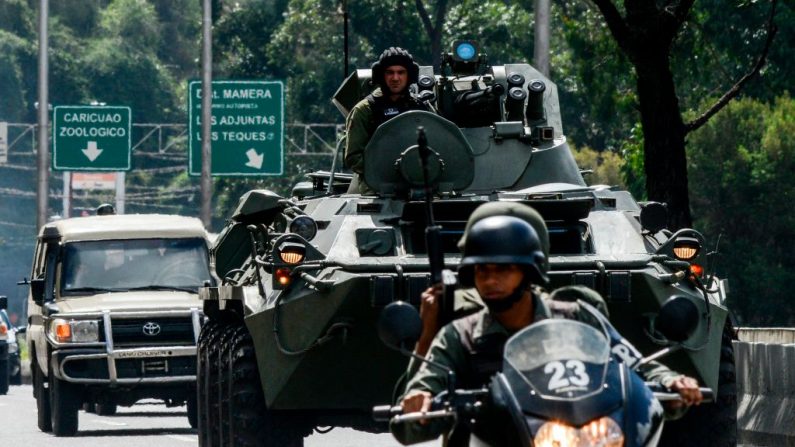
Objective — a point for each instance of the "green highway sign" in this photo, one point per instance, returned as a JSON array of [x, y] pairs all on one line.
[[91, 138], [247, 128]]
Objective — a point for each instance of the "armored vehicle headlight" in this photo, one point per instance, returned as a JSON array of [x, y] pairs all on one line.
[[304, 226], [74, 331], [292, 252], [686, 248], [603, 432]]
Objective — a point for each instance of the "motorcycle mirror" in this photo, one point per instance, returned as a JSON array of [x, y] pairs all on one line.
[[399, 325], [678, 319]]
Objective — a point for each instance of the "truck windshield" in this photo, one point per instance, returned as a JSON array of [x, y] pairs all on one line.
[[118, 265]]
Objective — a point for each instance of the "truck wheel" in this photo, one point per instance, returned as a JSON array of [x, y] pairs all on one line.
[[16, 379], [4, 376], [193, 413], [105, 409], [42, 395], [65, 403], [713, 424], [252, 424]]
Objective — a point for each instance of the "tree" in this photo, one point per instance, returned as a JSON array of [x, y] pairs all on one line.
[[645, 34], [743, 160]]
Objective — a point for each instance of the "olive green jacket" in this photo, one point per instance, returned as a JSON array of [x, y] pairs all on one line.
[[448, 350], [359, 130]]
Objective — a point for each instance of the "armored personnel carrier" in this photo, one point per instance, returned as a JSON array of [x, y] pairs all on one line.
[[290, 344]]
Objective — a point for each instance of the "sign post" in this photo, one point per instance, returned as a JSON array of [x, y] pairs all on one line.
[[247, 128], [91, 138]]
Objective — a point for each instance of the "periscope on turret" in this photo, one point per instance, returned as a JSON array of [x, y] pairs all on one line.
[[292, 327]]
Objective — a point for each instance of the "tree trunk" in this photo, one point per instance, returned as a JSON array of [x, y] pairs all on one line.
[[663, 137]]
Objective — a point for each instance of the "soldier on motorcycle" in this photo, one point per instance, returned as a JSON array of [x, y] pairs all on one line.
[[505, 260]]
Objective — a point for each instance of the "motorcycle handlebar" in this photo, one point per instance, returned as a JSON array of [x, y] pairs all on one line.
[[423, 415], [386, 412], [667, 396]]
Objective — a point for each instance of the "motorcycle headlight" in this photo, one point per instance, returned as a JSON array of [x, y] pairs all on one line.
[[603, 432], [74, 331]]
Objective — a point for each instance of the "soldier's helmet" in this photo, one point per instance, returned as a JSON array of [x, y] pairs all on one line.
[[394, 56], [502, 240]]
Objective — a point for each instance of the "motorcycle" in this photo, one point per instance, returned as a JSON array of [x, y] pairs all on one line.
[[563, 383]]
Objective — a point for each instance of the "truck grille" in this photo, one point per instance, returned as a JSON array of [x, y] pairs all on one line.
[[153, 331]]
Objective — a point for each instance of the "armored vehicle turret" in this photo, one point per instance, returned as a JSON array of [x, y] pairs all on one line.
[[290, 343]]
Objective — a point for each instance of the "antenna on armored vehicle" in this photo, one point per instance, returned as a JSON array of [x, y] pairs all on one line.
[[433, 238]]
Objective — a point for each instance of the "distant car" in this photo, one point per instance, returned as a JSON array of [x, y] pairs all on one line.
[[4, 349], [14, 369]]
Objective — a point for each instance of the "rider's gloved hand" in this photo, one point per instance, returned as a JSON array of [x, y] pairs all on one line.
[[415, 401], [688, 390]]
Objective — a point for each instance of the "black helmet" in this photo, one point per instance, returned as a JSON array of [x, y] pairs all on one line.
[[502, 240], [394, 56]]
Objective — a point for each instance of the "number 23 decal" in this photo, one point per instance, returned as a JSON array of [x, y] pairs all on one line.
[[572, 373]]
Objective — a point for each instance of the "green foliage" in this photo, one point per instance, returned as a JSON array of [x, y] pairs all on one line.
[[633, 170], [597, 90], [606, 167], [741, 185], [503, 30]]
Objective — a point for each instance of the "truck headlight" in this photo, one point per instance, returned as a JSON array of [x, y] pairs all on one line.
[[74, 331], [602, 432]]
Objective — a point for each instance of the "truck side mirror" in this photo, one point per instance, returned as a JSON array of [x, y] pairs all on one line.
[[37, 290], [3, 302]]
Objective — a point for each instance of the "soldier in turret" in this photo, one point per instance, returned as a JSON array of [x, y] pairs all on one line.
[[394, 72]]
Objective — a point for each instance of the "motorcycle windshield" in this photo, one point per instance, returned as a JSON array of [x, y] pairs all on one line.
[[559, 358]]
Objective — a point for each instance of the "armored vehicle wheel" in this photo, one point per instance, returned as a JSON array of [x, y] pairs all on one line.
[[42, 396], [64, 402], [203, 365], [207, 381], [4, 376], [713, 424], [224, 384], [252, 424], [105, 409], [201, 379]]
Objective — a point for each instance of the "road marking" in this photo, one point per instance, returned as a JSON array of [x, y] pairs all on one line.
[[181, 438], [115, 424]]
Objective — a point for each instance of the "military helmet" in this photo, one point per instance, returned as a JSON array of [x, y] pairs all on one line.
[[395, 56], [520, 210], [502, 240]]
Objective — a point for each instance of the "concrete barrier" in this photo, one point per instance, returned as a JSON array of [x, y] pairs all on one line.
[[774, 335], [765, 361]]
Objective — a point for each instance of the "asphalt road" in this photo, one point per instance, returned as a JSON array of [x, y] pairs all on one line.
[[148, 424]]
